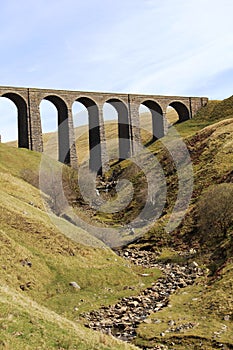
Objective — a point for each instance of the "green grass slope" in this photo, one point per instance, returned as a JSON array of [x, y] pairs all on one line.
[[208, 305], [38, 306], [40, 310], [201, 316], [209, 140], [26, 324]]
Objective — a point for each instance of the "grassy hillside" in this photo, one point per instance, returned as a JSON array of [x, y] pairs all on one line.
[[200, 317], [39, 308], [208, 138], [207, 307]]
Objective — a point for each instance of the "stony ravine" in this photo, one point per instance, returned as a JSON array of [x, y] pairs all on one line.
[[122, 319]]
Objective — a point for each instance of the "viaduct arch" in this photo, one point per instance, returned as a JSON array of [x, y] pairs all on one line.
[[27, 101]]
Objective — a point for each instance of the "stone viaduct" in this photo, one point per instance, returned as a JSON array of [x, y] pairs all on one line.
[[27, 101]]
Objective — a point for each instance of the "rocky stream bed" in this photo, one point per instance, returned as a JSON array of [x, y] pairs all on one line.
[[122, 319]]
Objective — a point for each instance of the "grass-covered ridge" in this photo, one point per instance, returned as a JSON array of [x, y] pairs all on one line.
[[26, 324], [208, 305], [38, 262]]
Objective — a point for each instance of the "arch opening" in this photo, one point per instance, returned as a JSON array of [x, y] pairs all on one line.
[[181, 109], [47, 111], [151, 121], [15, 105], [94, 137], [110, 117], [145, 124], [80, 120], [124, 128], [172, 116], [48, 116]]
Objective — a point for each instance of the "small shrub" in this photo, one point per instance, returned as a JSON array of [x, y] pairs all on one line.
[[215, 213]]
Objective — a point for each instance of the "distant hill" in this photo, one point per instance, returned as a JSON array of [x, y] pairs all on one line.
[[111, 130]]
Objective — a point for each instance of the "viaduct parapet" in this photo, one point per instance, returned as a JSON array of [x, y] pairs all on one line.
[[27, 101]]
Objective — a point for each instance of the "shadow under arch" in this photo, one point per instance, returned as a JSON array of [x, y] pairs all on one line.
[[23, 127], [95, 159], [157, 120], [181, 110], [123, 128], [63, 128]]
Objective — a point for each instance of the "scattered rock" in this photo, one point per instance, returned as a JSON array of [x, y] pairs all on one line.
[[26, 262], [25, 286], [194, 264], [226, 317], [74, 285], [18, 334]]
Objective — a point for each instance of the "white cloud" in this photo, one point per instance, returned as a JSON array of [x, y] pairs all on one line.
[[146, 46]]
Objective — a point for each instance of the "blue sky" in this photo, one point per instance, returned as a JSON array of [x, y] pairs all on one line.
[[140, 46]]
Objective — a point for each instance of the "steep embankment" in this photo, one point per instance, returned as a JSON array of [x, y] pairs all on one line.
[[211, 154], [207, 306], [39, 305], [209, 139], [200, 317]]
